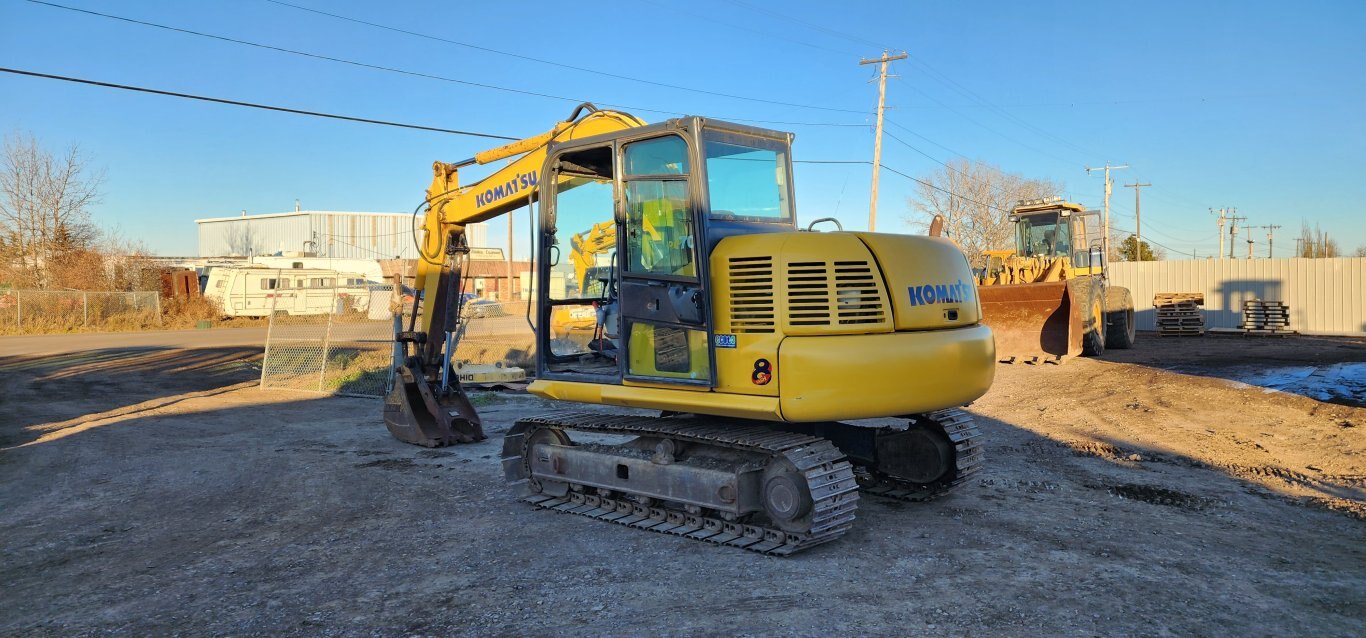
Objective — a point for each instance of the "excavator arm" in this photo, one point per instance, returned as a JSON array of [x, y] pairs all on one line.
[[418, 407]]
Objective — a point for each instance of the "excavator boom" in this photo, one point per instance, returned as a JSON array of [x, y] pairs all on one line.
[[417, 409]]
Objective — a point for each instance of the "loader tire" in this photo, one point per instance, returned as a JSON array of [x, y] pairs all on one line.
[[1119, 319], [1093, 341]]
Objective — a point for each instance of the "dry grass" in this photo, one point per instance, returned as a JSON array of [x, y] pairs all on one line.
[[65, 316]]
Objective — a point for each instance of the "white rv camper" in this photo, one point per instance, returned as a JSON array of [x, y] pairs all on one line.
[[254, 291]]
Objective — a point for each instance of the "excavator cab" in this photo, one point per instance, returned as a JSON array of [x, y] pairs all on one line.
[[658, 199]]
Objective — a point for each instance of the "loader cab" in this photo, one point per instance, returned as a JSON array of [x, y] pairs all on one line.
[[640, 313], [1053, 229]]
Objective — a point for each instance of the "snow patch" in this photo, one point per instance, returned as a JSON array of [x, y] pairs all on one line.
[[1336, 382]]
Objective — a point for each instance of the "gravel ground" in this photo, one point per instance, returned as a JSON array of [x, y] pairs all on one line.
[[156, 492]]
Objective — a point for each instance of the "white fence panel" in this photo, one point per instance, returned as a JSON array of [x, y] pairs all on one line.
[[1325, 296]]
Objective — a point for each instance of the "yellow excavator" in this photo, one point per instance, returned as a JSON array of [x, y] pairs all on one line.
[[1048, 299], [591, 254], [759, 346]]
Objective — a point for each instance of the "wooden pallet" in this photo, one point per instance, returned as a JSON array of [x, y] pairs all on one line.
[[1178, 314], [1163, 298], [1181, 332], [1265, 319]]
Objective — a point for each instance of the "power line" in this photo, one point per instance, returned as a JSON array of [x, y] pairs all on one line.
[[254, 105], [560, 64], [983, 126], [387, 123], [377, 67], [995, 191], [913, 179], [949, 193], [706, 18], [942, 78], [1150, 241], [823, 29], [999, 111], [327, 58], [898, 125]]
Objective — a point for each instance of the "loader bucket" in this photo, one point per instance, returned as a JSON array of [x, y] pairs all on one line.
[[415, 414], [1033, 323]]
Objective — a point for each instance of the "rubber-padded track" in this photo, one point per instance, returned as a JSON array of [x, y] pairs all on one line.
[[968, 460], [829, 477]]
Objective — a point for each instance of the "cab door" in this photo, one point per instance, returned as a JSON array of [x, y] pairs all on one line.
[[663, 292]]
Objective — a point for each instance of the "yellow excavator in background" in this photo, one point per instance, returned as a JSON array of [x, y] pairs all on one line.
[[1048, 299], [593, 278], [757, 343]]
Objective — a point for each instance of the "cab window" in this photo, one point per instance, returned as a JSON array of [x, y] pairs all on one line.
[[659, 224], [746, 177]]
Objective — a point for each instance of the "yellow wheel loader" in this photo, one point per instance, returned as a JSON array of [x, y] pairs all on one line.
[[1048, 299], [760, 345]]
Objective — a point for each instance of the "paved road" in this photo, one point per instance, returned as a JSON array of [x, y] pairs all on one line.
[[508, 325], [67, 343]]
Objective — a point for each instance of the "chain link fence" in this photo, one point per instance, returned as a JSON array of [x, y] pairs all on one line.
[[344, 349], [34, 311], [493, 332], [349, 350]]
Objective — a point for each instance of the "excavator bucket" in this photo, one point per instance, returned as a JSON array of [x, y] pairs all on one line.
[[415, 414], [1033, 323]]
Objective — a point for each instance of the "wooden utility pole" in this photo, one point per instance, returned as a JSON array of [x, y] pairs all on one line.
[[1233, 230], [1270, 239], [1105, 240], [1220, 220], [877, 141], [1138, 220]]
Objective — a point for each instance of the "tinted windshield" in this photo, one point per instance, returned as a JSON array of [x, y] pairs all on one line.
[[1042, 236], [747, 177]]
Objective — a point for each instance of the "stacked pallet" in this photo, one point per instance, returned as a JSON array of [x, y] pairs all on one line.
[[1179, 314], [1265, 318]]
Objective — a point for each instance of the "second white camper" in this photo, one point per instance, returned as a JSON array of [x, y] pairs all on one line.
[[253, 291]]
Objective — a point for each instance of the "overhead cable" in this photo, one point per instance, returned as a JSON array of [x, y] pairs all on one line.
[[562, 65], [409, 126], [254, 105], [367, 65]]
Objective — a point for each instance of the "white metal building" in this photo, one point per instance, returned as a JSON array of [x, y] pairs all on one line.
[[335, 234]]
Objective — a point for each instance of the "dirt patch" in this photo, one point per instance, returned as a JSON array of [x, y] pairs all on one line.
[[1120, 498], [1153, 494], [391, 464]]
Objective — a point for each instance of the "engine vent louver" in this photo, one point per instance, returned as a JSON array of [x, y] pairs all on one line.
[[841, 293], [751, 294]]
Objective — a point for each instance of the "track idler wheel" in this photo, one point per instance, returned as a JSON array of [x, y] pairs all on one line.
[[786, 496]]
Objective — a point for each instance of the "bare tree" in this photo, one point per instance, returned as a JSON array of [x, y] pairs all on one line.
[[1314, 243], [974, 198], [44, 208]]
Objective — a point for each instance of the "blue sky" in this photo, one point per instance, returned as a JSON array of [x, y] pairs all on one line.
[[1256, 105]]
